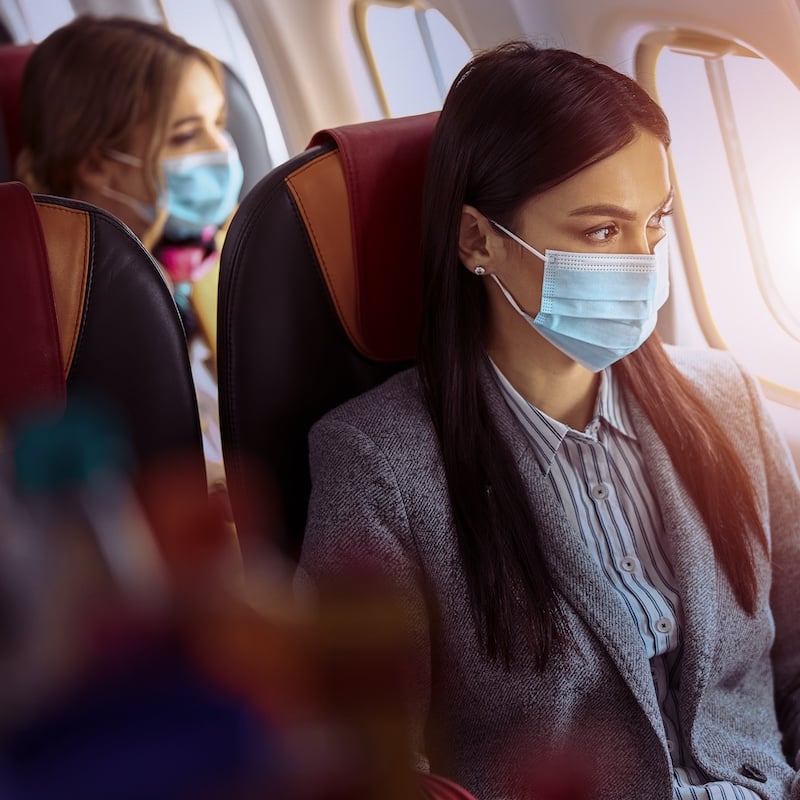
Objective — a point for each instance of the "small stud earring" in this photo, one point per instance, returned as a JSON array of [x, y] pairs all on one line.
[[480, 271]]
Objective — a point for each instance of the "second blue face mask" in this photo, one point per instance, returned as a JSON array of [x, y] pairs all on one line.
[[202, 190], [597, 307]]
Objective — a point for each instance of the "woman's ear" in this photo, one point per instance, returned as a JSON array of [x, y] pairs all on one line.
[[476, 241], [94, 170]]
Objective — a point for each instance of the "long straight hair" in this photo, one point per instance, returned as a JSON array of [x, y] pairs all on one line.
[[517, 121]]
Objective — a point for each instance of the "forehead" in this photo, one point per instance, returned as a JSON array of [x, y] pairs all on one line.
[[197, 94], [636, 178]]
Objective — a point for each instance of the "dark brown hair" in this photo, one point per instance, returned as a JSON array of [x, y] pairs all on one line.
[[517, 121]]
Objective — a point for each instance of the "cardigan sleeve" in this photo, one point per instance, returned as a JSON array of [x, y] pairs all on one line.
[[783, 501], [358, 529]]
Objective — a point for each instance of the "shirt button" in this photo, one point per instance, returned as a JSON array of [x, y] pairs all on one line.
[[664, 625], [671, 746], [600, 491], [628, 563]]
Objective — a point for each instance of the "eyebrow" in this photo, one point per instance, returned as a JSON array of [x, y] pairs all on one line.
[[184, 120], [223, 111], [611, 210]]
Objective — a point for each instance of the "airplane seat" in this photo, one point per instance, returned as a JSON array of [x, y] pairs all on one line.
[[244, 123], [319, 300], [247, 131], [13, 58], [86, 316]]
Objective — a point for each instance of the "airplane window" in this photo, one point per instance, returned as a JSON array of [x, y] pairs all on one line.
[[734, 118], [415, 53], [35, 21]]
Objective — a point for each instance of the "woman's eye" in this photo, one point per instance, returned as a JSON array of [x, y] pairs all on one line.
[[180, 139], [603, 234]]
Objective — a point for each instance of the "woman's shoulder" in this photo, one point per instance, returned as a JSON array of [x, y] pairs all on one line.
[[700, 364], [383, 437], [716, 374], [397, 403]]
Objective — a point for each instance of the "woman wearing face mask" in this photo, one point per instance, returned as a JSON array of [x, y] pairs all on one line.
[[130, 117], [598, 536]]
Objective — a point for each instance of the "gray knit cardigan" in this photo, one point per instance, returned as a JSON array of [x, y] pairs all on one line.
[[379, 492]]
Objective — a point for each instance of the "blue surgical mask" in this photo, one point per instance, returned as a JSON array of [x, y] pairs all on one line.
[[202, 190], [597, 307]]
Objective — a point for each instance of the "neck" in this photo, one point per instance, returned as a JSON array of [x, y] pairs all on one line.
[[541, 373]]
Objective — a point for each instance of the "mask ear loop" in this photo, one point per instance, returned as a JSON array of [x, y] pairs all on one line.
[[530, 249], [508, 297], [124, 158], [519, 241]]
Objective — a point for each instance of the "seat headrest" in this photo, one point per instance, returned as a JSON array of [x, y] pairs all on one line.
[[31, 364], [384, 166], [13, 59], [245, 126]]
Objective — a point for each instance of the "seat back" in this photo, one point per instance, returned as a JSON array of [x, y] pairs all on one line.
[[85, 313], [247, 131], [320, 296]]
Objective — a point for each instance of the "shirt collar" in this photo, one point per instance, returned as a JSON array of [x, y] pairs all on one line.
[[546, 434], [611, 406]]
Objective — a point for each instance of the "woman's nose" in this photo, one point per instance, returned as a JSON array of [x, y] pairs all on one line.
[[654, 238], [214, 139], [644, 243]]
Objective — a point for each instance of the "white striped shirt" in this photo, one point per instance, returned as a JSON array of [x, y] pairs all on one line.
[[603, 486]]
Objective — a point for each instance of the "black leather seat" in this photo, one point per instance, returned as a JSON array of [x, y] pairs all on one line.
[[320, 295], [246, 129], [85, 313]]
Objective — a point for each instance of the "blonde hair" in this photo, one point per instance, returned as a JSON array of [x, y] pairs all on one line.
[[89, 85]]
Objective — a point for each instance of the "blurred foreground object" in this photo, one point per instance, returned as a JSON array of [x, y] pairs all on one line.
[[141, 660]]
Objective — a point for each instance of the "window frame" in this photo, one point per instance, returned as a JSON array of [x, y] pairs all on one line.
[[360, 10], [710, 47]]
